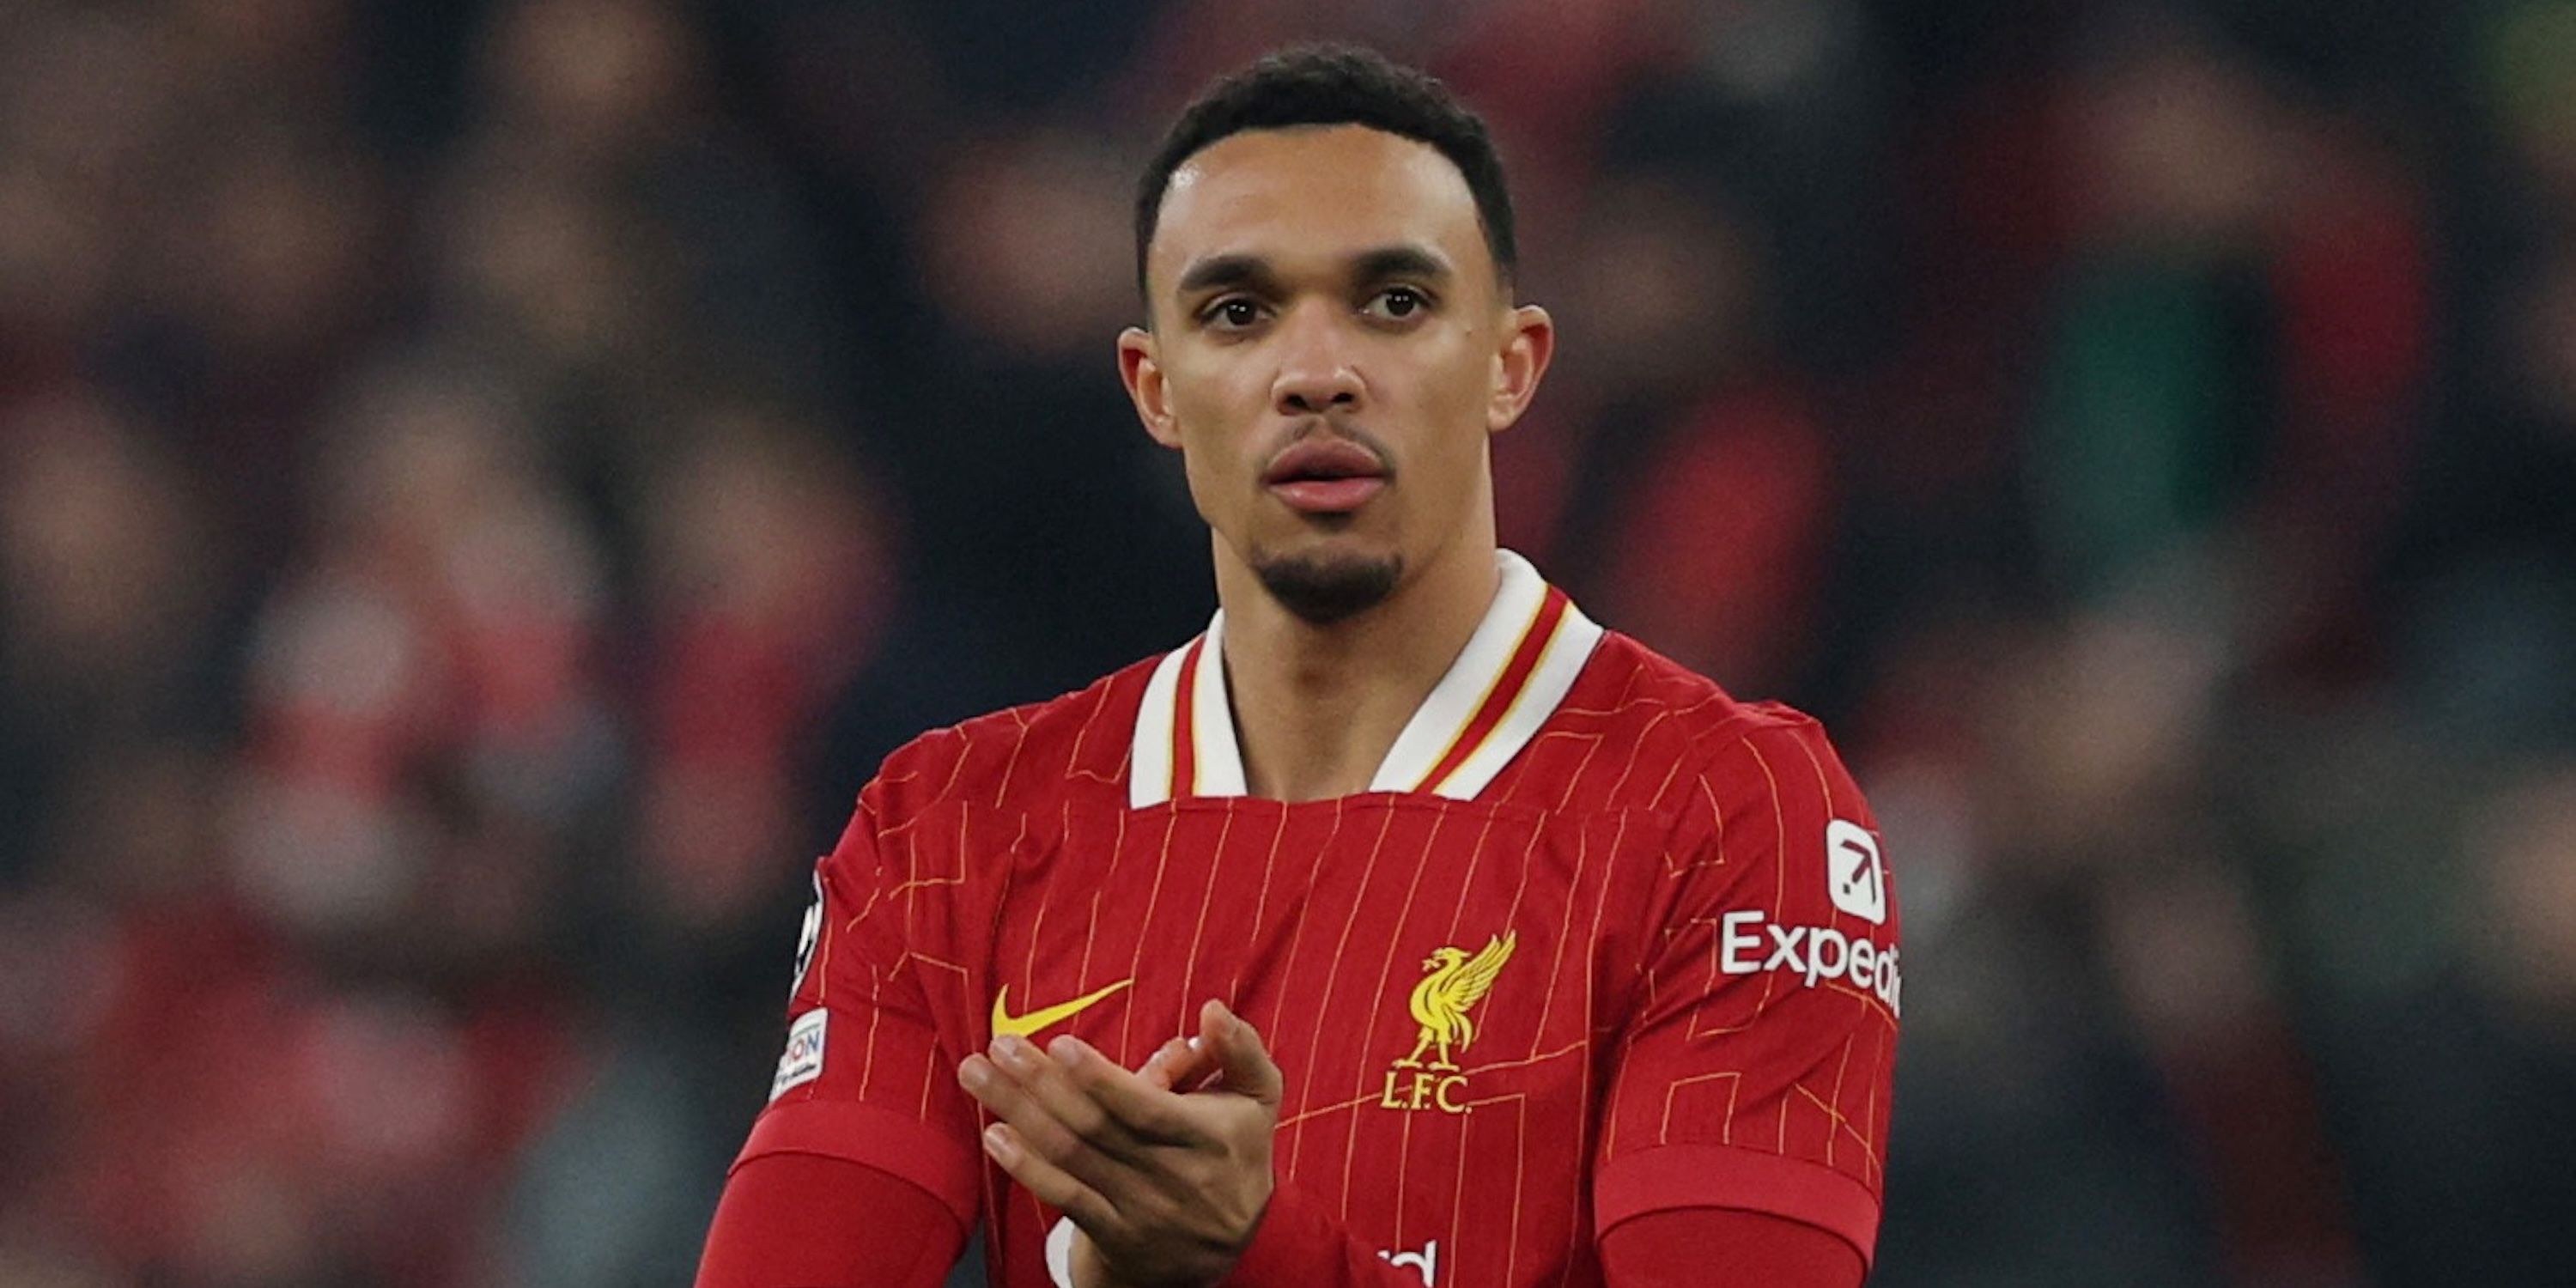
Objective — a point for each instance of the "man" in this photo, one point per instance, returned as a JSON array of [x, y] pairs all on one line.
[[1405, 928]]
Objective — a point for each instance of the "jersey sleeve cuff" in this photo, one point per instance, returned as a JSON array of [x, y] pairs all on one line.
[[1294, 1246], [1716, 1176], [890, 1142]]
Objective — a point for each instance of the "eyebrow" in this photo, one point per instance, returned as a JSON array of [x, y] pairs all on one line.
[[1221, 271], [1218, 272], [1399, 261]]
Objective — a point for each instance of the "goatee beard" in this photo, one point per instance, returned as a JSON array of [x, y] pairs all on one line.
[[1324, 591]]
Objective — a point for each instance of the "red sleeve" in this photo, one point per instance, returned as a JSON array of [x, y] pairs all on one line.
[[806, 1221], [864, 1077], [1716, 1248], [1754, 1071], [1298, 1245]]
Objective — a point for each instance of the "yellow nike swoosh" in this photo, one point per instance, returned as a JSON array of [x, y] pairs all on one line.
[[1029, 1024]]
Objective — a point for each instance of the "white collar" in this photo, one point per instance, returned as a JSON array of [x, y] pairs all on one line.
[[1510, 678]]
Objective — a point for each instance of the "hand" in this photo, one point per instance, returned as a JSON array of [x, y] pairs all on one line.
[[1181, 1064], [1166, 1185]]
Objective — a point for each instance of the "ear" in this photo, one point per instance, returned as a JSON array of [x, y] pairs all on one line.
[[1142, 372], [1529, 340]]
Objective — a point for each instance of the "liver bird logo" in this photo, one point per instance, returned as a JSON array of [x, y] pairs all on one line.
[[1441, 1001]]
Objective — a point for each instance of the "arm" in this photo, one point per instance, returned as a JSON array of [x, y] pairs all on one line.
[[1698, 1247], [861, 1166], [786, 1222], [1755, 1056], [1080, 1133], [1299, 1245]]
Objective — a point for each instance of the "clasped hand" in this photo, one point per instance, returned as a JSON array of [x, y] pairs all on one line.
[[1164, 1171]]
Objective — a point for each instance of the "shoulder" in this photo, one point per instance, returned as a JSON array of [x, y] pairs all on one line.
[[1761, 800], [1018, 754], [1680, 734]]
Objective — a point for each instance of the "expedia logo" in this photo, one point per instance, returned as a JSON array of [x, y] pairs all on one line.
[[1749, 942], [1855, 875]]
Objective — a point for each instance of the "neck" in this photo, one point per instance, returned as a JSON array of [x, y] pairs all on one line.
[[1316, 708]]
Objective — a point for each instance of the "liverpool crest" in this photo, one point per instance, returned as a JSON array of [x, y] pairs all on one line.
[[1441, 1006]]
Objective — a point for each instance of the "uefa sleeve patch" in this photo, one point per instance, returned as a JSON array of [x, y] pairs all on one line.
[[1855, 876], [803, 1060]]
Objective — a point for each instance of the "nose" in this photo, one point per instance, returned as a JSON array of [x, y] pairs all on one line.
[[1316, 372]]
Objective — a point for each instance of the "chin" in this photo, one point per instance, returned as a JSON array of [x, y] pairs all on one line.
[[1329, 581]]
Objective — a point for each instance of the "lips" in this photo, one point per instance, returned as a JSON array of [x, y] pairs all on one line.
[[1325, 476]]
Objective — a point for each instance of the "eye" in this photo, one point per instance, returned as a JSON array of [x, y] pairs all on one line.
[[1397, 303], [1233, 313]]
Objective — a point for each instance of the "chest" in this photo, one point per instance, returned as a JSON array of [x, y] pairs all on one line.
[[1435, 979], [1343, 929]]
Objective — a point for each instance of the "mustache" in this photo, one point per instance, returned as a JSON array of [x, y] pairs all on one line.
[[1324, 428]]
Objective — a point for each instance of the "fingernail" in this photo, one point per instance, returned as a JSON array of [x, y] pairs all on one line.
[[971, 1075], [1067, 1050], [1196, 1042], [997, 1143], [1011, 1051]]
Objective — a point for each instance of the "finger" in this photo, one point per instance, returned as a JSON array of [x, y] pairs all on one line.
[[1052, 1084], [1171, 1066], [1113, 1109], [1146, 1113], [1054, 1186], [1243, 1064], [1194, 1069], [1038, 1129]]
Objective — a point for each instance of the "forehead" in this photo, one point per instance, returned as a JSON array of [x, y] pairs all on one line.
[[1313, 196]]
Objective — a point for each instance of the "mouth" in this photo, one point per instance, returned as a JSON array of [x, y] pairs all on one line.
[[1325, 476]]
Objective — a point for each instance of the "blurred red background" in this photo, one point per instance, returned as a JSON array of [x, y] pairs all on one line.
[[482, 484]]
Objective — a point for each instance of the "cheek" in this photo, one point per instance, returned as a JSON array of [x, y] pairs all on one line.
[[1208, 434], [1202, 470], [1459, 373], [1461, 395], [1210, 420], [1210, 397], [1453, 417]]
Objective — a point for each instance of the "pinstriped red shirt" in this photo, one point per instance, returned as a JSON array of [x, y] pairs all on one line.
[[1599, 941]]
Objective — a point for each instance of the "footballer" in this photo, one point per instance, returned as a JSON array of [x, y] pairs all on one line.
[[1404, 929]]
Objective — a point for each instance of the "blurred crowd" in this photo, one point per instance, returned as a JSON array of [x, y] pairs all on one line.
[[481, 484]]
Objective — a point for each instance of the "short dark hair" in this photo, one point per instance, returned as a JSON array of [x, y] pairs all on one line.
[[1334, 85]]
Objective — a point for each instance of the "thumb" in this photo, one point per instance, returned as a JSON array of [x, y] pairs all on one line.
[[1243, 1065]]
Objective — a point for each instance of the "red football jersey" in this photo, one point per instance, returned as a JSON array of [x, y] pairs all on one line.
[[1598, 941]]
